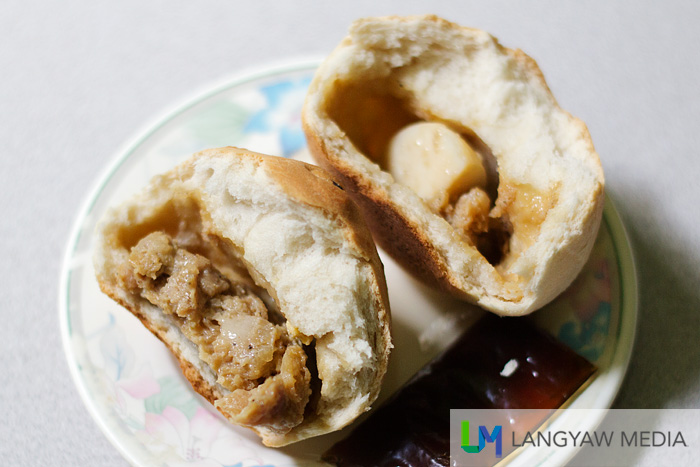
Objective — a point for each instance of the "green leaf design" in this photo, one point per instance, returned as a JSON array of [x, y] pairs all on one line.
[[172, 393], [220, 124]]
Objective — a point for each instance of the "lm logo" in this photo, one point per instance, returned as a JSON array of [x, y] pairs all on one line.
[[484, 437]]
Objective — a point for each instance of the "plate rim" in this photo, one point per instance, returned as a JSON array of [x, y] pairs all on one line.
[[626, 330], [625, 335], [629, 296]]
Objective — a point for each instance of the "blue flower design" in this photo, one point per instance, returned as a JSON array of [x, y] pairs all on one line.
[[118, 356], [585, 336], [282, 114]]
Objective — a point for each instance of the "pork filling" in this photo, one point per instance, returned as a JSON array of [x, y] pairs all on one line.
[[263, 369]]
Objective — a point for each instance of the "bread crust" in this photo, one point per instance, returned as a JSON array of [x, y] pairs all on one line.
[[351, 357], [393, 232], [397, 53]]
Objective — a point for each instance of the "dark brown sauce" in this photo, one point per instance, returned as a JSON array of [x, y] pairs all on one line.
[[413, 428]]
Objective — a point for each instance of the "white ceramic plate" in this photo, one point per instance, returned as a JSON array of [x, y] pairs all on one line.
[[134, 388]]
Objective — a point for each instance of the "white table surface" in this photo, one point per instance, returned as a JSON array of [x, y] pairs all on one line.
[[78, 78]]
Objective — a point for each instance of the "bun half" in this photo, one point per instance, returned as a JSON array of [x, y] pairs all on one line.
[[234, 249], [545, 182]]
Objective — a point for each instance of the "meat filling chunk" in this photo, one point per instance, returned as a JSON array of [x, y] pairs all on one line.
[[263, 369]]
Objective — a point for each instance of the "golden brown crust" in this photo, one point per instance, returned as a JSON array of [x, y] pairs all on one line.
[[209, 392]]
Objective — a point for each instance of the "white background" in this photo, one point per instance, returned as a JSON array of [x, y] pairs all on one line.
[[78, 78]]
